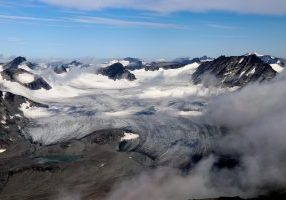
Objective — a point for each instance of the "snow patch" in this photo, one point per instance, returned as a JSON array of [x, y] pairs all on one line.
[[123, 62], [25, 67], [89, 81], [276, 67], [241, 74], [190, 113], [2, 150], [3, 95], [255, 53], [25, 78], [33, 112], [241, 60], [121, 113], [129, 136], [251, 72]]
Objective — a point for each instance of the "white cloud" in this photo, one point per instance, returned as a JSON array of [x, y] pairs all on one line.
[[238, 6]]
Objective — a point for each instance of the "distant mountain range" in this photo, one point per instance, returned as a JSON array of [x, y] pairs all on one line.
[[231, 71]]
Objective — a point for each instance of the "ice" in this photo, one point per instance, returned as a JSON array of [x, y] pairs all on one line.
[[276, 67], [33, 112], [129, 136], [25, 78]]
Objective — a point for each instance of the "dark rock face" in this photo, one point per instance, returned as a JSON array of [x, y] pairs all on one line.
[[11, 74], [38, 84], [8, 125], [15, 63], [117, 72], [12, 102], [235, 70]]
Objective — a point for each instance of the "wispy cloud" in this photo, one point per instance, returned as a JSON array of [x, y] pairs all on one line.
[[220, 26], [28, 18], [64, 22], [272, 7], [10, 4], [126, 23], [5, 4]]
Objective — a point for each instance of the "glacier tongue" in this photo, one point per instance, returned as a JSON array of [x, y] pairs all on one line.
[[81, 103]]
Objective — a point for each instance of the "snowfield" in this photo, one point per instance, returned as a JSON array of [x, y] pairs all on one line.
[[25, 78], [82, 101], [33, 112], [277, 68]]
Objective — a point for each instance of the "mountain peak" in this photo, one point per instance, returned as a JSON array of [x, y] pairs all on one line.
[[76, 63], [254, 53], [235, 70], [15, 62], [117, 71]]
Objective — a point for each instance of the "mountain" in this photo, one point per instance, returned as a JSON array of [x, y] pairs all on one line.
[[89, 134], [89, 156], [12, 118], [192, 60], [116, 72], [16, 72], [175, 64], [272, 60], [134, 63], [62, 68], [19, 62], [15, 63], [235, 70], [277, 64], [25, 78]]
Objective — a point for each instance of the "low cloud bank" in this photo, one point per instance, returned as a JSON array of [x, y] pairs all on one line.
[[256, 119]]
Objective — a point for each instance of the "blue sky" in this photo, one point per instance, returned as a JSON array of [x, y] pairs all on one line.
[[141, 28]]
